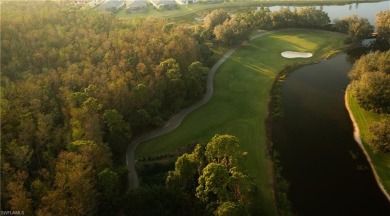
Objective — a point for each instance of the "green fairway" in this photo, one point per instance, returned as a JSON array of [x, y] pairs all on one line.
[[239, 103], [380, 160]]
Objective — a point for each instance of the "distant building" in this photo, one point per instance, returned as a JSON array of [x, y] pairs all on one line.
[[164, 4], [136, 6], [111, 5]]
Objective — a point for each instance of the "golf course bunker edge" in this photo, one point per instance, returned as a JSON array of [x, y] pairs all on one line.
[[292, 54]]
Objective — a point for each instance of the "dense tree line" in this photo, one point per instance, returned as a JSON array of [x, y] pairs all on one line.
[[76, 85], [371, 87], [356, 28], [210, 180], [382, 25], [214, 174], [233, 29], [380, 135], [360, 28], [371, 81]]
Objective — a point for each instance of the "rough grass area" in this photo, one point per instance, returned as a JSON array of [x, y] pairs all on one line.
[[240, 100], [364, 119]]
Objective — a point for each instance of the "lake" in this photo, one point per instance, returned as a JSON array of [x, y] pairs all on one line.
[[327, 171], [367, 10]]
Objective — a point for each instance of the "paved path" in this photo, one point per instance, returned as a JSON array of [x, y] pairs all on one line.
[[176, 119]]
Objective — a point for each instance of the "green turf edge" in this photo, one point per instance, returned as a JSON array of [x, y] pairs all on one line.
[[379, 161], [259, 164]]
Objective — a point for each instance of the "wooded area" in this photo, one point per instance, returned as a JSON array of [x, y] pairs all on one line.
[[210, 180], [371, 87], [76, 86], [234, 29]]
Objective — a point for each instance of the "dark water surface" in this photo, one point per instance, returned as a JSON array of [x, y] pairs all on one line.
[[327, 171]]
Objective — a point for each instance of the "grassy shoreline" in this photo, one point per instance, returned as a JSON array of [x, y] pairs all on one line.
[[239, 105], [379, 162]]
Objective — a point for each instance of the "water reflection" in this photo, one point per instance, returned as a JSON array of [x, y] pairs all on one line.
[[326, 169], [368, 10], [355, 54]]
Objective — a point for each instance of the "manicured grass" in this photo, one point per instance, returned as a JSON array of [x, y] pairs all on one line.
[[240, 100], [380, 160]]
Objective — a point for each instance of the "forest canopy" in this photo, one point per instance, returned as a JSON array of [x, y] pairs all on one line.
[[76, 86], [371, 87], [371, 81]]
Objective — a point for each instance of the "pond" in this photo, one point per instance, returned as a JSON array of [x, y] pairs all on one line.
[[327, 171], [367, 10]]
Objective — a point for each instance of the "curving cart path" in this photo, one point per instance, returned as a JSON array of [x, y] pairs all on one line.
[[175, 121]]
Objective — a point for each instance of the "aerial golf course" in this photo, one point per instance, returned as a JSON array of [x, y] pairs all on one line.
[[239, 104]]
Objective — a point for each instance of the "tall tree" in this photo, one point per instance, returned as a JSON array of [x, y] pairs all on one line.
[[216, 17], [371, 80], [184, 175], [372, 91], [196, 79], [108, 185], [230, 209], [213, 184], [380, 139], [232, 31], [283, 18], [312, 17], [20, 198], [223, 149], [262, 18], [357, 29], [382, 25], [74, 190], [19, 155], [212, 174], [360, 30], [342, 25]]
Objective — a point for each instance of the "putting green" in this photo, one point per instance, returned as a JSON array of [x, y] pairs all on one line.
[[240, 99]]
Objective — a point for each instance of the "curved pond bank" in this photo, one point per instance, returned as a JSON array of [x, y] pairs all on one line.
[[327, 171], [358, 139]]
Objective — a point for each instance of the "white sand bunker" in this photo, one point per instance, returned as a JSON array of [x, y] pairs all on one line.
[[292, 54]]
